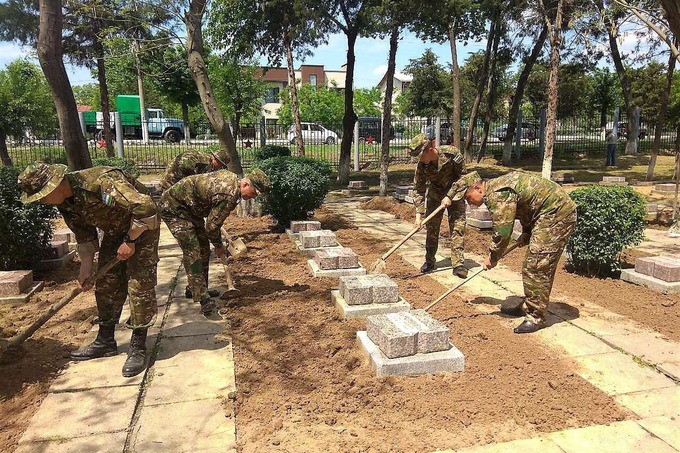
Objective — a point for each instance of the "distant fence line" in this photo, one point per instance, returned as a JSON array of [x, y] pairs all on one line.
[[574, 136]]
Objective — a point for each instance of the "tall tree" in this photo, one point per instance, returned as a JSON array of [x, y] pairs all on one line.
[[606, 91], [429, 94], [661, 117], [387, 109]]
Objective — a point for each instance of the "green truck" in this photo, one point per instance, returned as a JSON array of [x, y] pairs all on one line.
[[170, 129]]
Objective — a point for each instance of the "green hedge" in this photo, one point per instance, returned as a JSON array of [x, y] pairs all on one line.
[[269, 151], [127, 165], [299, 185], [609, 219], [25, 230]]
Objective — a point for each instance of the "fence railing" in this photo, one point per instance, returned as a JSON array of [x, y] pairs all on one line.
[[574, 136]]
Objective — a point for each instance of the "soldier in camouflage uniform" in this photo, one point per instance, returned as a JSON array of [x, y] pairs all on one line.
[[437, 170], [108, 199], [193, 163], [184, 207], [547, 215]]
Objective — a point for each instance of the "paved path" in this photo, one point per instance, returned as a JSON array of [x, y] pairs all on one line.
[[181, 403], [615, 354], [657, 242]]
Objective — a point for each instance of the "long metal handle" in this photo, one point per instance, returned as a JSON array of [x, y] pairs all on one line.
[[412, 232]]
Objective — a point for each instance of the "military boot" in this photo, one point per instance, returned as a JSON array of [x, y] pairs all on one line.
[[430, 260], [103, 346], [207, 306], [136, 361], [460, 271], [528, 326]]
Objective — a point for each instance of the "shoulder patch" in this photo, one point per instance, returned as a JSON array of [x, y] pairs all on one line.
[[107, 199]]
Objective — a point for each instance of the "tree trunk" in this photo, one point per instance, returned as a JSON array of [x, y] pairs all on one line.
[[555, 30], [50, 54], [4, 154], [193, 20], [104, 98], [295, 104], [140, 90], [489, 94], [519, 94], [387, 110], [185, 121], [661, 119], [455, 76], [349, 117], [474, 111], [672, 10]]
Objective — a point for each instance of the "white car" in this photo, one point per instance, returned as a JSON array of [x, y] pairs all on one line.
[[313, 133]]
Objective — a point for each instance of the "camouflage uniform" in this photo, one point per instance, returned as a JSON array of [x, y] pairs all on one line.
[[108, 199], [186, 164], [184, 207], [548, 214], [441, 175]]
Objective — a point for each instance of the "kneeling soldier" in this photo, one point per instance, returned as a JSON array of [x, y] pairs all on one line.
[[108, 199], [547, 215], [193, 163], [184, 207]]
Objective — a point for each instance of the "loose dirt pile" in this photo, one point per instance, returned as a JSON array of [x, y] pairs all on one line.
[[404, 211], [303, 385]]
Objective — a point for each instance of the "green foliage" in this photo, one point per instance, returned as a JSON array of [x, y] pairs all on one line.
[[127, 165], [430, 92], [609, 219], [367, 101], [238, 88], [320, 104], [299, 185], [269, 151], [25, 230]]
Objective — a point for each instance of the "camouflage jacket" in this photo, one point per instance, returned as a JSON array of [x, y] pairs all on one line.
[[212, 195], [186, 164], [440, 175], [106, 198], [524, 197]]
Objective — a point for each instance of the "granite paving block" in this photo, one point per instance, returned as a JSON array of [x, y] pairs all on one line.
[[334, 273], [665, 187], [613, 179], [355, 290], [479, 224], [361, 311], [58, 263], [309, 239], [23, 297], [563, 178], [394, 336], [297, 226], [655, 284], [479, 213], [56, 250], [645, 265], [15, 282], [403, 190], [63, 234], [326, 259], [358, 185], [327, 239], [347, 259], [451, 360], [432, 335], [383, 289], [667, 269]]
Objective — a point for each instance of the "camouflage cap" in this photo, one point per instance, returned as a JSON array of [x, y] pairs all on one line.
[[463, 184], [259, 180], [221, 156], [418, 144], [39, 180]]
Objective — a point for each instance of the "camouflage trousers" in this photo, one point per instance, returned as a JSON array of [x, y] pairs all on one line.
[[456, 226], [134, 279], [195, 245], [547, 242]]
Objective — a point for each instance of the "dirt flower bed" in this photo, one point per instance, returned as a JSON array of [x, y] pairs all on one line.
[[303, 385]]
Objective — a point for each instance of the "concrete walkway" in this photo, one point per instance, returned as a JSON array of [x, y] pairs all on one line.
[[181, 403], [637, 366], [657, 242]]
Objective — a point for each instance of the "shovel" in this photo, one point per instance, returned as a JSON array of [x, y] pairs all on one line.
[[236, 248], [378, 266], [19, 338]]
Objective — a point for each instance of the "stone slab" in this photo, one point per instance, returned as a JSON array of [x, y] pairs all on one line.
[[13, 283], [100, 443], [655, 284], [318, 272], [311, 252], [63, 234], [613, 179], [667, 269], [573, 341], [665, 188], [318, 238], [649, 346], [184, 319], [22, 298], [56, 250], [48, 265], [563, 178], [354, 290], [626, 436], [192, 426], [479, 213], [645, 265], [613, 183], [670, 369], [369, 289], [297, 226], [358, 185], [479, 224], [76, 414], [666, 428], [652, 403], [362, 311], [451, 360], [343, 258], [403, 190], [433, 336], [392, 336], [94, 374], [534, 445]]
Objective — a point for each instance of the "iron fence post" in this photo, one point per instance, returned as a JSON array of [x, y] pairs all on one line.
[[437, 131], [356, 146], [518, 135], [263, 137], [636, 127]]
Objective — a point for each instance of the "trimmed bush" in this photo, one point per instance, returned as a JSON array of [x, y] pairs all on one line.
[[25, 230], [269, 151], [299, 185], [609, 219], [127, 165]]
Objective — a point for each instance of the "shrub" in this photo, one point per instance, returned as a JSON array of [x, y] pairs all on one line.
[[609, 219], [269, 151], [25, 230], [127, 165], [299, 185]]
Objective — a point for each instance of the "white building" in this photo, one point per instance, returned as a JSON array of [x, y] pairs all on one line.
[[401, 83]]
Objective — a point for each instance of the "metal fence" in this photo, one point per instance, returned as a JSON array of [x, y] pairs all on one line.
[[574, 137]]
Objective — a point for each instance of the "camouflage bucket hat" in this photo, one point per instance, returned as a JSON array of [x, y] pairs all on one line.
[[463, 184], [221, 156], [39, 180], [418, 144], [259, 180]]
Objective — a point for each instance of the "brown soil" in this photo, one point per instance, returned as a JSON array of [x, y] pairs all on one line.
[[404, 211], [303, 385], [28, 371]]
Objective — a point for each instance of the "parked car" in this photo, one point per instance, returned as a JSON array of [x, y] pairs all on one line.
[[529, 131], [446, 133], [314, 133], [370, 129], [622, 131]]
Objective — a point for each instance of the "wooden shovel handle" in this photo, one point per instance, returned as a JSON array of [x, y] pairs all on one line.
[[412, 232]]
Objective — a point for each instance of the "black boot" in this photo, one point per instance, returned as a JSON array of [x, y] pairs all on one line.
[[136, 361], [103, 346], [430, 260], [513, 311], [528, 327], [460, 271], [208, 306], [211, 292]]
